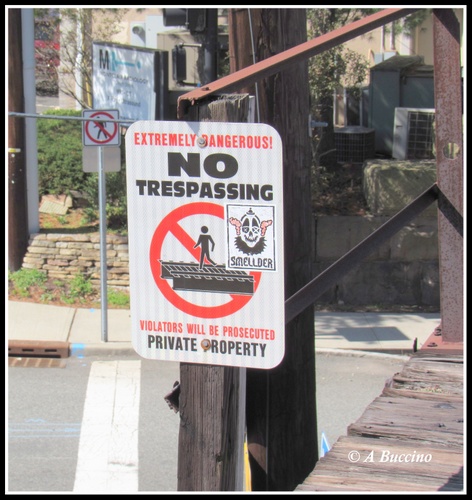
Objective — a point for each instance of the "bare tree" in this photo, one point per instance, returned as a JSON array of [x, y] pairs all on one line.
[[79, 28]]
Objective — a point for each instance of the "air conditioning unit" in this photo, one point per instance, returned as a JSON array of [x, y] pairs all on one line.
[[413, 134], [354, 144]]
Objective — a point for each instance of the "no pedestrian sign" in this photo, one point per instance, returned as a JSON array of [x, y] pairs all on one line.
[[100, 132], [205, 223]]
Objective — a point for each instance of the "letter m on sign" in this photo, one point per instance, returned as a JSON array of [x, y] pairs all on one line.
[[103, 61]]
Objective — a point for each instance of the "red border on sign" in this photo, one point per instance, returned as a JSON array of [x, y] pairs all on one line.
[[100, 124], [170, 224]]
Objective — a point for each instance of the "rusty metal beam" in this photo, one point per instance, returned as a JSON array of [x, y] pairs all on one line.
[[449, 167], [279, 62]]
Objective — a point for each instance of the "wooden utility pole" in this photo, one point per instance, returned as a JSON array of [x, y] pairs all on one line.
[[281, 403], [243, 32], [17, 195], [209, 407], [210, 435]]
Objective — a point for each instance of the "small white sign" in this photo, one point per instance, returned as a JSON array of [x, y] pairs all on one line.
[[111, 158], [100, 133]]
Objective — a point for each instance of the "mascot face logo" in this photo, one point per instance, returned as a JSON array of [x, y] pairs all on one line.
[[250, 233], [251, 228]]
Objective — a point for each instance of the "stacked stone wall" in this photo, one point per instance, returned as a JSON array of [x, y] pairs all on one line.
[[63, 256], [404, 270]]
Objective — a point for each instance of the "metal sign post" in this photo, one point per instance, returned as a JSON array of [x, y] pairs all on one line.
[[101, 134], [103, 245]]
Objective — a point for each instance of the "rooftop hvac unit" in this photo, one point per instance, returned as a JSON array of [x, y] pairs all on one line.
[[354, 144], [413, 134]]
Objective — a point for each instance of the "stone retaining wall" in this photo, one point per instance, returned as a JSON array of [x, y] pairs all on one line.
[[64, 256], [403, 271]]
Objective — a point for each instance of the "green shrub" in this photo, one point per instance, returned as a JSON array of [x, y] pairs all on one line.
[[25, 278], [60, 153], [117, 298], [80, 286]]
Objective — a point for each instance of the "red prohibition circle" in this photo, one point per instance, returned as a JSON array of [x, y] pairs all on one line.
[[109, 137], [170, 224]]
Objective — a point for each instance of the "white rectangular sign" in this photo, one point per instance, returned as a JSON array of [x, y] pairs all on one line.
[[123, 77], [205, 222], [111, 158]]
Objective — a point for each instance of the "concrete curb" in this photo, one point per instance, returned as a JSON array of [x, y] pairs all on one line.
[[79, 350], [363, 353]]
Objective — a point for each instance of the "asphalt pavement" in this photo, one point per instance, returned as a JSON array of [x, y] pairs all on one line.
[[89, 331], [353, 361]]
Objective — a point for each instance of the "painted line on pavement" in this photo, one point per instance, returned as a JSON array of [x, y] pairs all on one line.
[[108, 445]]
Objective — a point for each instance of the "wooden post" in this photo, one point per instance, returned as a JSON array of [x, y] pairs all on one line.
[[210, 404], [242, 39], [281, 403], [17, 198]]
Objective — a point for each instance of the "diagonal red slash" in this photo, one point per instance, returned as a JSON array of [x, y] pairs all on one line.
[[170, 225], [101, 126]]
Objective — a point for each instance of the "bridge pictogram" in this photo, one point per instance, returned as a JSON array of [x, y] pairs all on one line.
[[217, 279]]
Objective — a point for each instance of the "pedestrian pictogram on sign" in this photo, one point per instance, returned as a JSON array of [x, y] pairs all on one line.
[[100, 132], [206, 242]]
